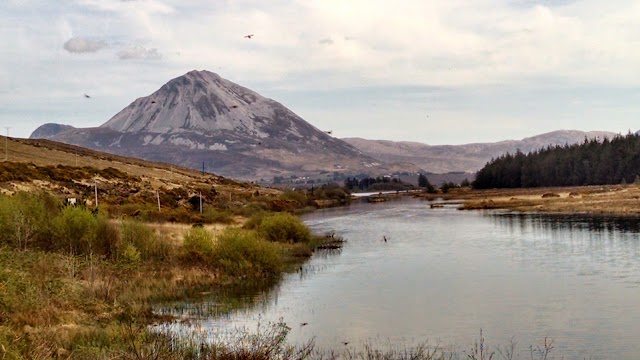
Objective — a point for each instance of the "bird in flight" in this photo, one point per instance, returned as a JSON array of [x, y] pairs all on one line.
[[87, 96], [248, 36], [330, 132]]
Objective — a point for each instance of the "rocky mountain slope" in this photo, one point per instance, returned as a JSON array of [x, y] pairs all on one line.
[[464, 158], [202, 118]]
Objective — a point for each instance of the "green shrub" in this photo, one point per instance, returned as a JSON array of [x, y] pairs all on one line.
[[198, 246], [75, 231], [298, 196], [25, 219], [255, 220], [251, 209], [130, 254], [284, 227], [243, 252], [144, 239]]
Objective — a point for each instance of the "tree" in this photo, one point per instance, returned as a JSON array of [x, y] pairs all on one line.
[[423, 182], [592, 162]]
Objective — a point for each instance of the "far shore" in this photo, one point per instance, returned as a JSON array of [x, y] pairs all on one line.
[[615, 200]]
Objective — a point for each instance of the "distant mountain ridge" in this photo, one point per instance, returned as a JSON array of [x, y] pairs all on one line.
[[201, 118], [467, 157], [49, 130]]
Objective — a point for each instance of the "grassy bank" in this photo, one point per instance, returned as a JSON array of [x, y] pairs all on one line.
[[616, 200], [78, 284]]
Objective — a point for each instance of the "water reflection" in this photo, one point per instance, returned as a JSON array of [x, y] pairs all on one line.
[[445, 274], [603, 246], [592, 223]]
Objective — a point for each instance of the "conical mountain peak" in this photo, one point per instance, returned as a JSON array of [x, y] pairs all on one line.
[[201, 101]]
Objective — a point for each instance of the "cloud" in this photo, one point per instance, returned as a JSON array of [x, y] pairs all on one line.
[[327, 41], [139, 52], [84, 45]]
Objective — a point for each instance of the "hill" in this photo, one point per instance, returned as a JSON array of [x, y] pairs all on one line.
[[467, 157], [128, 184]]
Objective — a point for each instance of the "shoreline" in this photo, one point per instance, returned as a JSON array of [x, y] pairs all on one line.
[[611, 200]]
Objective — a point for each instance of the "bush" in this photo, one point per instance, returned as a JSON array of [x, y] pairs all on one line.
[[242, 252], [255, 220], [145, 240], [25, 219], [250, 209], [17, 227], [198, 246], [298, 196], [130, 254], [284, 227], [75, 231]]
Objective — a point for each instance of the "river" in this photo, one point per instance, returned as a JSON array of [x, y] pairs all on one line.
[[443, 275]]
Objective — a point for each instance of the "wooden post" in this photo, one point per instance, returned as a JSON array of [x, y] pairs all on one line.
[[200, 202], [95, 182], [6, 144], [158, 196]]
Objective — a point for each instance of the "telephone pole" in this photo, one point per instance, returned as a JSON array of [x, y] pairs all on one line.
[[6, 144]]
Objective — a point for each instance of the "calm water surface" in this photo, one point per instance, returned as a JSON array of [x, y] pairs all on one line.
[[445, 274]]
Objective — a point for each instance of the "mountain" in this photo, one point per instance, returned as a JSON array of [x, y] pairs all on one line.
[[464, 158], [49, 130], [202, 118]]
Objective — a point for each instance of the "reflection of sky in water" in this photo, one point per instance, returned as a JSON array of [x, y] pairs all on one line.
[[445, 274]]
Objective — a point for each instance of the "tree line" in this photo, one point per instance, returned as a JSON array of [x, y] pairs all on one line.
[[375, 184], [592, 162]]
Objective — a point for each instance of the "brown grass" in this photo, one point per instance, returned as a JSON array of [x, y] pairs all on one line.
[[610, 199], [44, 153]]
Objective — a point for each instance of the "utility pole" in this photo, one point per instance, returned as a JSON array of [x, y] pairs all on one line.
[[6, 144], [95, 182]]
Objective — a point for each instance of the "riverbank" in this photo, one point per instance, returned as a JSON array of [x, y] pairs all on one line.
[[79, 285], [621, 200]]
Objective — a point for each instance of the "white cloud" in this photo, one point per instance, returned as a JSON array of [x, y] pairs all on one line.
[[139, 52], [326, 41], [318, 45], [84, 45]]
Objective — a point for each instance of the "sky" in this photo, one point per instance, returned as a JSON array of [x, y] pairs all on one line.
[[432, 71]]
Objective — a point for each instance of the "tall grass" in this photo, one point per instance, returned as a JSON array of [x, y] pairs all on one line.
[[139, 237]]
